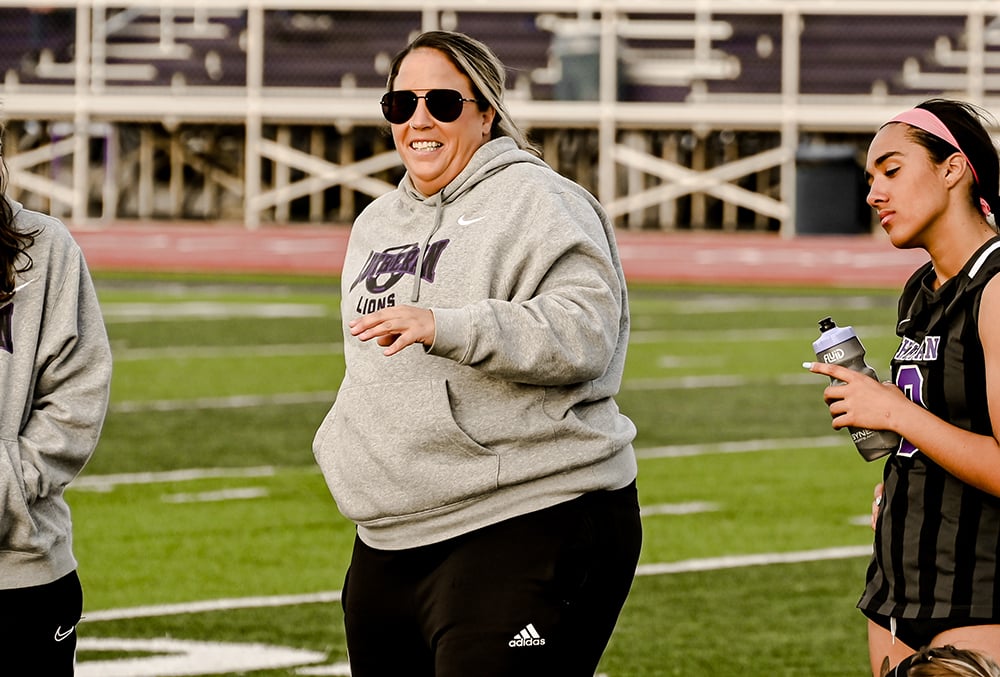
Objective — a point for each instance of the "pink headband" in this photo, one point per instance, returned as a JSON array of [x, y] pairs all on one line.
[[927, 121]]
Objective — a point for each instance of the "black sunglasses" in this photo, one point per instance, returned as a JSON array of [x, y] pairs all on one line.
[[444, 104]]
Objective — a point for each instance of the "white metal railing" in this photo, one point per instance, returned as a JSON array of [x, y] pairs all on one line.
[[89, 93]]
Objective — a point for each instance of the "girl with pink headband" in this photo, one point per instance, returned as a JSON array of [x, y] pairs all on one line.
[[921, 118], [934, 576]]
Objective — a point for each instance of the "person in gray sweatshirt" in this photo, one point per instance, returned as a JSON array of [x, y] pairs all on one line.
[[55, 374], [475, 439]]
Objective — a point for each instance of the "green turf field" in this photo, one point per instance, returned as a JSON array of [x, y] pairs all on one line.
[[202, 524]]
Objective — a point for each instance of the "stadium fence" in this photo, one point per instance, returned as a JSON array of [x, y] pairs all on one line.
[[679, 115]]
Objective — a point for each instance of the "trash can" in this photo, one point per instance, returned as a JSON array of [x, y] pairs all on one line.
[[578, 51], [579, 55], [829, 191]]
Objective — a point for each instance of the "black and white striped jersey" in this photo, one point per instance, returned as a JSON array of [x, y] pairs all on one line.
[[937, 540]]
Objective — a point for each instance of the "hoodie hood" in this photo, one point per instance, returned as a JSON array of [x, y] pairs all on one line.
[[492, 157]]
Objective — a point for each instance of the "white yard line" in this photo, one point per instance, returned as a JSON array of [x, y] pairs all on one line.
[[212, 352], [207, 310], [242, 401], [744, 335], [761, 559], [723, 381], [691, 508], [233, 402], [109, 482], [741, 447], [239, 494], [204, 606], [331, 596]]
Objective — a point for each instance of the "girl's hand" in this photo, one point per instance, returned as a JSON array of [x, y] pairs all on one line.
[[859, 401], [877, 503]]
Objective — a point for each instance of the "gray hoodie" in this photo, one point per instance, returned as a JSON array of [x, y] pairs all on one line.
[[511, 409], [55, 373]]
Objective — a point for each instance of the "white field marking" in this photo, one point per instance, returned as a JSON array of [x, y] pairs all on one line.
[[686, 382], [240, 494], [703, 304], [211, 352], [746, 335], [335, 670], [109, 482], [690, 508], [721, 381], [688, 361], [741, 447], [233, 402], [155, 611], [284, 399], [762, 559], [280, 399], [207, 310], [714, 303], [666, 568], [177, 658]]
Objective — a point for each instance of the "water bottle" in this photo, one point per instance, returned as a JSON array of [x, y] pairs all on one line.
[[840, 345]]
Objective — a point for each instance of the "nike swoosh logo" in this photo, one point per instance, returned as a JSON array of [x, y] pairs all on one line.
[[60, 636], [15, 290], [462, 221]]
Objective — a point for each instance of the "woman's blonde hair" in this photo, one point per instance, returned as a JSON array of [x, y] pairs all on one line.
[[947, 661]]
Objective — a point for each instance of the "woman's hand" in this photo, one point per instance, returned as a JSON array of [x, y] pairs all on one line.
[[877, 503], [859, 401], [395, 328]]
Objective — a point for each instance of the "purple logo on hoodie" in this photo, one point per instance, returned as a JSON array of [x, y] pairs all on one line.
[[6, 334], [384, 269]]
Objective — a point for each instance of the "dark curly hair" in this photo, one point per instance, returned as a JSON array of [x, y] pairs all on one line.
[[14, 244]]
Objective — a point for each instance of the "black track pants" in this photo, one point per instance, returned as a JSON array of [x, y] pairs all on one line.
[[38, 628], [535, 595]]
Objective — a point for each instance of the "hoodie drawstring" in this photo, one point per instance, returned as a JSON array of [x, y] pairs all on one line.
[[418, 272]]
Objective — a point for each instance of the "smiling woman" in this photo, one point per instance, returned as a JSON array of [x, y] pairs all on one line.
[[485, 326], [435, 149]]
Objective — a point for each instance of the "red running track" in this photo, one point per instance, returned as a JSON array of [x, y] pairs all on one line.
[[849, 261]]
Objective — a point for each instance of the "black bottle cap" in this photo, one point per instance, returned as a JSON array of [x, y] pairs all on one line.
[[826, 324]]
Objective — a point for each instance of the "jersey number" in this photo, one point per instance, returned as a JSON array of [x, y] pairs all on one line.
[[911, 382]]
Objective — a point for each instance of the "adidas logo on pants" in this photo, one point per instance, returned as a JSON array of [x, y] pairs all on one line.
[[527, 637]]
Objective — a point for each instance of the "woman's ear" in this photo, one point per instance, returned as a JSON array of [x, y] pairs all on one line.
[[489, 115], [956, 166]]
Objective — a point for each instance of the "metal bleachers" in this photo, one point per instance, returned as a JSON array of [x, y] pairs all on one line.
[[839, 54], [676, 114]]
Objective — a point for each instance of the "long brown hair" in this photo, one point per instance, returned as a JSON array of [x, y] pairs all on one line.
[[14, 244]]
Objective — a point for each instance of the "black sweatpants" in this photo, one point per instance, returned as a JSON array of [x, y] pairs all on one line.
[[535, 595], [38, 628]]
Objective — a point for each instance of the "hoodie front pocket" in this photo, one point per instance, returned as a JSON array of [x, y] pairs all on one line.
[[394, 449], [18, 530]]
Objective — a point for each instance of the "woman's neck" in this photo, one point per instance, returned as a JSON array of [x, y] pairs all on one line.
[[951, 252]]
